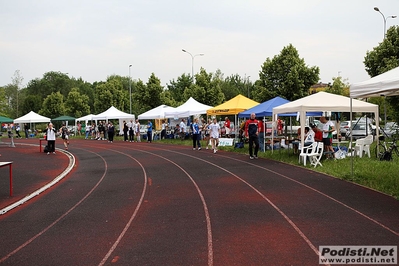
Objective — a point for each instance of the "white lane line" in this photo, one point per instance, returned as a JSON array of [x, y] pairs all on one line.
[[325, 195], [70, 166]]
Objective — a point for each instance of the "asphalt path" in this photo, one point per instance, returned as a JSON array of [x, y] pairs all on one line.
[[143, 203]]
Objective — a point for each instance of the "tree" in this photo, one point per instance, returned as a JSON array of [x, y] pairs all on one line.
[[53, 105], [286, 75], [77, 105], [339, 86], [177, 88], [382, 58]]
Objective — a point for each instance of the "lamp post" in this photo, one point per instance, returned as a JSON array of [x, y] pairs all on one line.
[[130, 90], [385, 19], [192, 61]]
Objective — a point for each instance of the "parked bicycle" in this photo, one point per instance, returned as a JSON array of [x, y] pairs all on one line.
[[385, 149]]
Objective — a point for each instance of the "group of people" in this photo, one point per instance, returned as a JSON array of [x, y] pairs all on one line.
[[131, 129], [51, 134], [325, 135]]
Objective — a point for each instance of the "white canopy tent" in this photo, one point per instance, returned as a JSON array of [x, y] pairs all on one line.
[[156, 113], [114, 113], [189, 108], [322, 102], [32, 117], [386, 84], [85, 118]]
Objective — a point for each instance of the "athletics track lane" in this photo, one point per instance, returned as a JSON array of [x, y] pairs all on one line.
[[260, 212]]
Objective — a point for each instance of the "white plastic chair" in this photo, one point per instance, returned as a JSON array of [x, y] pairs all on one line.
[[363, 145], [305, 151], [316, 156]]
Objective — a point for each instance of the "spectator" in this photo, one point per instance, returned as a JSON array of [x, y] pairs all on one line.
[[309, 136], [227, 127], [182, 127], [214, 134], [318, 135], [125, 130], [79, 128], [149, 131], [328, 129], [261, 127], [130, 126], [163, 129], [111, 132], [17, 129], [137, 131], [50, 134], [196, 135], [252, 132], [280, 125], [26, 129]]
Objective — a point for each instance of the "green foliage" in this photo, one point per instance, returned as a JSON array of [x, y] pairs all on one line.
[[177, 88], [382, 58], [53, 105], [286, 75], [339, 86], [76, 104]]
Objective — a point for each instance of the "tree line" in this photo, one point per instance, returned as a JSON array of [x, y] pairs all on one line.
[[285, 75]]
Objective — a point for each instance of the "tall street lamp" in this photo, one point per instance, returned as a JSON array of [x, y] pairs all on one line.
[[385, 19], [192, 61], [130, 90]]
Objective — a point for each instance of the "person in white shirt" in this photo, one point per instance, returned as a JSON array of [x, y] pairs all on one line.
[[214, 129], [50, 136], [183, 131], [137, 131], [328, 129], [309, 136]]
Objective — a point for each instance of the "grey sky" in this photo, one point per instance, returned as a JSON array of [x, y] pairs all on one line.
[[95, 39]]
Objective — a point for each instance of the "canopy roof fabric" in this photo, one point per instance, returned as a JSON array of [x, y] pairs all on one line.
[[112, 113], [323, 101], [64, 118], [233, 106], [157, 112], [85, 118], [32, 117], [385, 84], [189, 108], [4, 119]]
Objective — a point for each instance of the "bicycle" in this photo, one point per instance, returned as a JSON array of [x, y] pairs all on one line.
[[385, 149]]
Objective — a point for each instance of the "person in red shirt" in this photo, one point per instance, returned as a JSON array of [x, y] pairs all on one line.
[[227, 126], [318, 135], [252, 132]]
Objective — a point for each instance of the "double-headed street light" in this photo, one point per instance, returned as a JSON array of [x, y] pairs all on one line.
[[192, 61], [385, 19], [130, 90]]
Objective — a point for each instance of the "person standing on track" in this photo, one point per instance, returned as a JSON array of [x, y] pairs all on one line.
[[252, 132], [137, 131], [196, 135], [130, 125], [111, 132], [149, 131], [50, 136], [214, 134]]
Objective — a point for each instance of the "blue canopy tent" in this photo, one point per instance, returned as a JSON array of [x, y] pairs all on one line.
[[266, 109]]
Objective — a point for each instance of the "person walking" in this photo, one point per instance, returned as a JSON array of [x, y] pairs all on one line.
[[50, 136], [65, 135], [196, 135], [252, 133], [214, 128], [26, 129], [125, 131]]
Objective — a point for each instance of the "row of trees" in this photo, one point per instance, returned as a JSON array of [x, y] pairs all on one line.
[[285, 75]]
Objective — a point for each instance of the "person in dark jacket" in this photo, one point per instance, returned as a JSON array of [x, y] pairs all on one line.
[[252, 133]]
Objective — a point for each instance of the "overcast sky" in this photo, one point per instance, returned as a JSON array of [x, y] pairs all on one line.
[[96, 39]]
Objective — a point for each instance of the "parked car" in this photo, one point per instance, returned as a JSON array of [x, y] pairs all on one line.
[[391, 128], [360, 130]]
